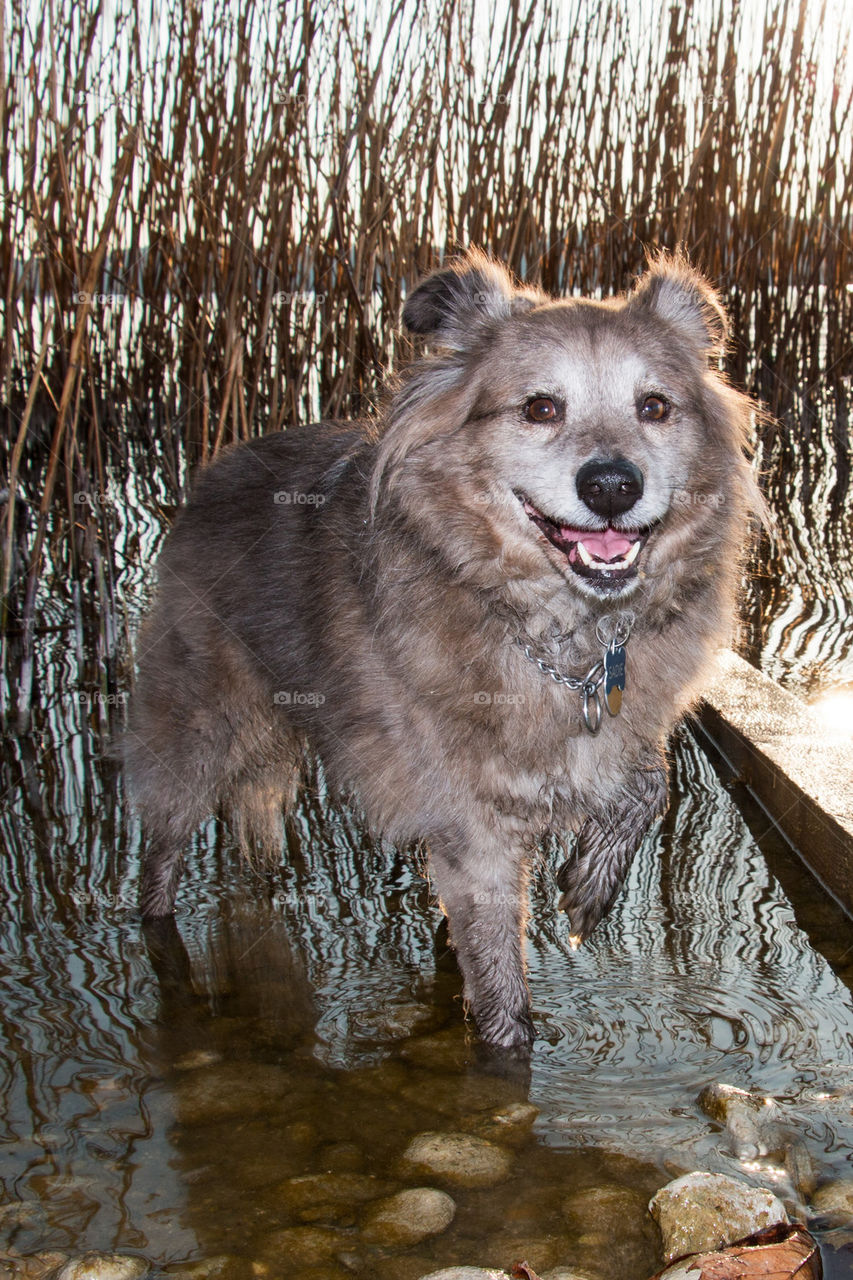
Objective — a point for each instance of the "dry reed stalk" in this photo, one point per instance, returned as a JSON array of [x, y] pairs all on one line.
[[331, 158]]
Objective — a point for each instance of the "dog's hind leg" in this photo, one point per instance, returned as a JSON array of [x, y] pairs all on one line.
[[203, 732], [258, 798], [482, 889], [590, 880]]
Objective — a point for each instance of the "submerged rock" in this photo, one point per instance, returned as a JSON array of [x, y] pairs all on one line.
[[310, 1190], [567, 1273], [510, 1124], [408, 1217], [834, 1200], [755, 1126], [220, 1266], [706, 1211], [30, 1266], [230, 1089], [748, 1117], [610, 1224], [305, 1246], [460, 1159], [466, 1273], [103, 1266], [397, 1021]]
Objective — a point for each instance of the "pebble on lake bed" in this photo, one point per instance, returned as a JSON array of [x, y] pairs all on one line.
[[312, 1189], [408, 1217], [483, 1273], [30, 1266], [705, 1211], [103, 1266], [834, 1200], [459, 1159], [466, 1273]]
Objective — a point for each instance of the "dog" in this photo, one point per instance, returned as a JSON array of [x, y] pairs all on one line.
[[484, 612]]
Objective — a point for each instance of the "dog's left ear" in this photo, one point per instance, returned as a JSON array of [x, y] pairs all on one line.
[[682, 297], [473, 293]]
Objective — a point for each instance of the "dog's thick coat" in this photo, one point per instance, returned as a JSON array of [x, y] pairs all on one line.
[[552, 471]]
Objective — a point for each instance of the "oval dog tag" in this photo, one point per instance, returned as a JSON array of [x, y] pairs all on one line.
[[614, 678]]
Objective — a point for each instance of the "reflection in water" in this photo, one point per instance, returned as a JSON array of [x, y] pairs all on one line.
[[797, 594], [160, 1086]]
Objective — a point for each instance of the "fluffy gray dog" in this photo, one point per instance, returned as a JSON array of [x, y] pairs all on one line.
[[484, 613]]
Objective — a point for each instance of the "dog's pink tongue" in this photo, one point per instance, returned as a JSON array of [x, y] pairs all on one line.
[[604, 544]]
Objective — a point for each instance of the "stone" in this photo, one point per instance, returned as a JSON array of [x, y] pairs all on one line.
[[408, 1217], [312, 1189], [510, 1124], [305, 1246], [220, 1266], [755, 1126], [396, 1021], [30, 1266], [197, 1058], [705, 1211], [459, 1159], [103, 1266], [447, 1050], [611, 1221], [341, 1157], [834, 1200], [747, 1117], [570, 1273], [608, 1209], [540, 1249], [466, 1273], [230, 1089]]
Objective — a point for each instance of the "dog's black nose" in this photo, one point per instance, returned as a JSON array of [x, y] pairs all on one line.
[[609, 487]]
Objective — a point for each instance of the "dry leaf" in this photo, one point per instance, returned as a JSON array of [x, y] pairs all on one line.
[[784, 1251], [795, 1257], [524, 1271]]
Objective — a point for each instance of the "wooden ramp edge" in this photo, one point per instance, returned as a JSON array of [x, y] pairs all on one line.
[[800, 773]]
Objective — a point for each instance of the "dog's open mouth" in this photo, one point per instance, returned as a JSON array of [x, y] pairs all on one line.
[[605, 557]]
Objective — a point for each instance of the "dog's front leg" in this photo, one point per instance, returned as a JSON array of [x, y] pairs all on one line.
[[591, 878], [483, 893]]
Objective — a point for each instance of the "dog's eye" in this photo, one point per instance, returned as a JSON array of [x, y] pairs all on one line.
[[654, 409], [541, 409]]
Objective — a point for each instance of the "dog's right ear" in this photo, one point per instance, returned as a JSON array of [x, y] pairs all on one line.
[[456, 304]]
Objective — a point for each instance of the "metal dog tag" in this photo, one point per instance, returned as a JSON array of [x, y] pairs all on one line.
[[614, 678]]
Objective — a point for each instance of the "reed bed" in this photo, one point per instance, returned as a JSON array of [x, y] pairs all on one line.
[[211, 214]]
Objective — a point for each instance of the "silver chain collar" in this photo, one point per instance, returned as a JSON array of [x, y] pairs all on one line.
[[590, 684]]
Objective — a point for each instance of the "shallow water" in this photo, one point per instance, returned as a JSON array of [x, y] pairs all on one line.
[[160, 1087]]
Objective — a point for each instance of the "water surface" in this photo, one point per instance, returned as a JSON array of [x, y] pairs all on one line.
[[160, 1087]]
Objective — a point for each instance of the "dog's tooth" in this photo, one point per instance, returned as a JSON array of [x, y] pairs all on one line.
[[586, 556], [632, 554]]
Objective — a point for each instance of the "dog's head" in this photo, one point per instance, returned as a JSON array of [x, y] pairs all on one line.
[[591, 438]]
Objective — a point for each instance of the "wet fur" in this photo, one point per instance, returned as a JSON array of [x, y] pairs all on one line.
[[374, 618]]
